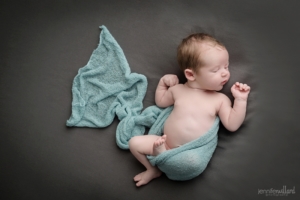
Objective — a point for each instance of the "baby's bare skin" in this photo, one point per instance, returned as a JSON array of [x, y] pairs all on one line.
[[196, 106], [193, 115], [188, 122]]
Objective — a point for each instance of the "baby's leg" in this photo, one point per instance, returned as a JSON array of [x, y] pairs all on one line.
[[159, 145], [140, 146]]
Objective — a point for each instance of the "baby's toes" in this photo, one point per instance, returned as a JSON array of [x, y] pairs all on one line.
[[156, 143]]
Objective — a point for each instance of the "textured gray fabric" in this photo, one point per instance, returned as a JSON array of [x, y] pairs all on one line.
[[44, 43]]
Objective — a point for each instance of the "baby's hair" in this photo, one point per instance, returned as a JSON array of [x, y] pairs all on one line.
[[188, 54]]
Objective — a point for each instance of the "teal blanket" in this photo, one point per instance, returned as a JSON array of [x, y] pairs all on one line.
[[106, 88]]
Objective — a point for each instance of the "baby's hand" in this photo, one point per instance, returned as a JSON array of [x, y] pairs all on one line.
[[170, 80], [240, 91]]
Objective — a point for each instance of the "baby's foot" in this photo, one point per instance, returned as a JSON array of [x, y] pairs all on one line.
[[146, 176], [159, 145]]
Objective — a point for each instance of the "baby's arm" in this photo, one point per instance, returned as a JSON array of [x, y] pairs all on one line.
[[233, 117], [163, 94]]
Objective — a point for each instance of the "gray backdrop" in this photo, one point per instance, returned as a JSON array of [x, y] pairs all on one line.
[[44, 43]]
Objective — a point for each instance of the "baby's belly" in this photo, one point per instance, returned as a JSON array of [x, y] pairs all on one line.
[[181, 130]]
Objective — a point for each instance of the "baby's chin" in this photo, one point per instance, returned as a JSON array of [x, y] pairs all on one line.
[[217, 89], [214, 88]]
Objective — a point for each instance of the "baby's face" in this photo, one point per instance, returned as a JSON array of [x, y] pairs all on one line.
[[214, 73]]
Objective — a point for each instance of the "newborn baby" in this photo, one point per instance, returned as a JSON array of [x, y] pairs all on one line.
[[204, 62]]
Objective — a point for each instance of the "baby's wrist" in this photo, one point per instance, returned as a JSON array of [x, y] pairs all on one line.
[[240, 99]]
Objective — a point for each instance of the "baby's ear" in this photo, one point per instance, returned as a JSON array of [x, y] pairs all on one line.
[[189, 74]]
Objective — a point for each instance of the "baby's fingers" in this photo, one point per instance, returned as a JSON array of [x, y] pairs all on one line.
[[244, 87], [174, 81], [248, 88], [237, 84]]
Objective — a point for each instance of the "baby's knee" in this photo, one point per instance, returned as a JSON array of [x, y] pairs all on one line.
[[134, 141]]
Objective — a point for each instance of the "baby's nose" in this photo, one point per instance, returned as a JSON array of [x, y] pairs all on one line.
[[225, 73]]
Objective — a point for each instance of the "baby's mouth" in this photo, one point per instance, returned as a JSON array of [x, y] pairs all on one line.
[[224, 82]]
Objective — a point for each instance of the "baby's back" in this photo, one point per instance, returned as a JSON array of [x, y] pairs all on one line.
[[193, 115]]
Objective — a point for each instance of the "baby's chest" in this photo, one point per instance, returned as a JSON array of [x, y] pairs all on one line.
[[196, 105]]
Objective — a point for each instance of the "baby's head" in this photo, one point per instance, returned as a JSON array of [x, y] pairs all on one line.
[[204, 61], [189, 52]]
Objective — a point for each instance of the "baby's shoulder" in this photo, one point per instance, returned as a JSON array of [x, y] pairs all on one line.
[[222, 97], [177, 87]]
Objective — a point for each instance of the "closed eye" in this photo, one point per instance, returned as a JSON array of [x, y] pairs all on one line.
[[215, 70]]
